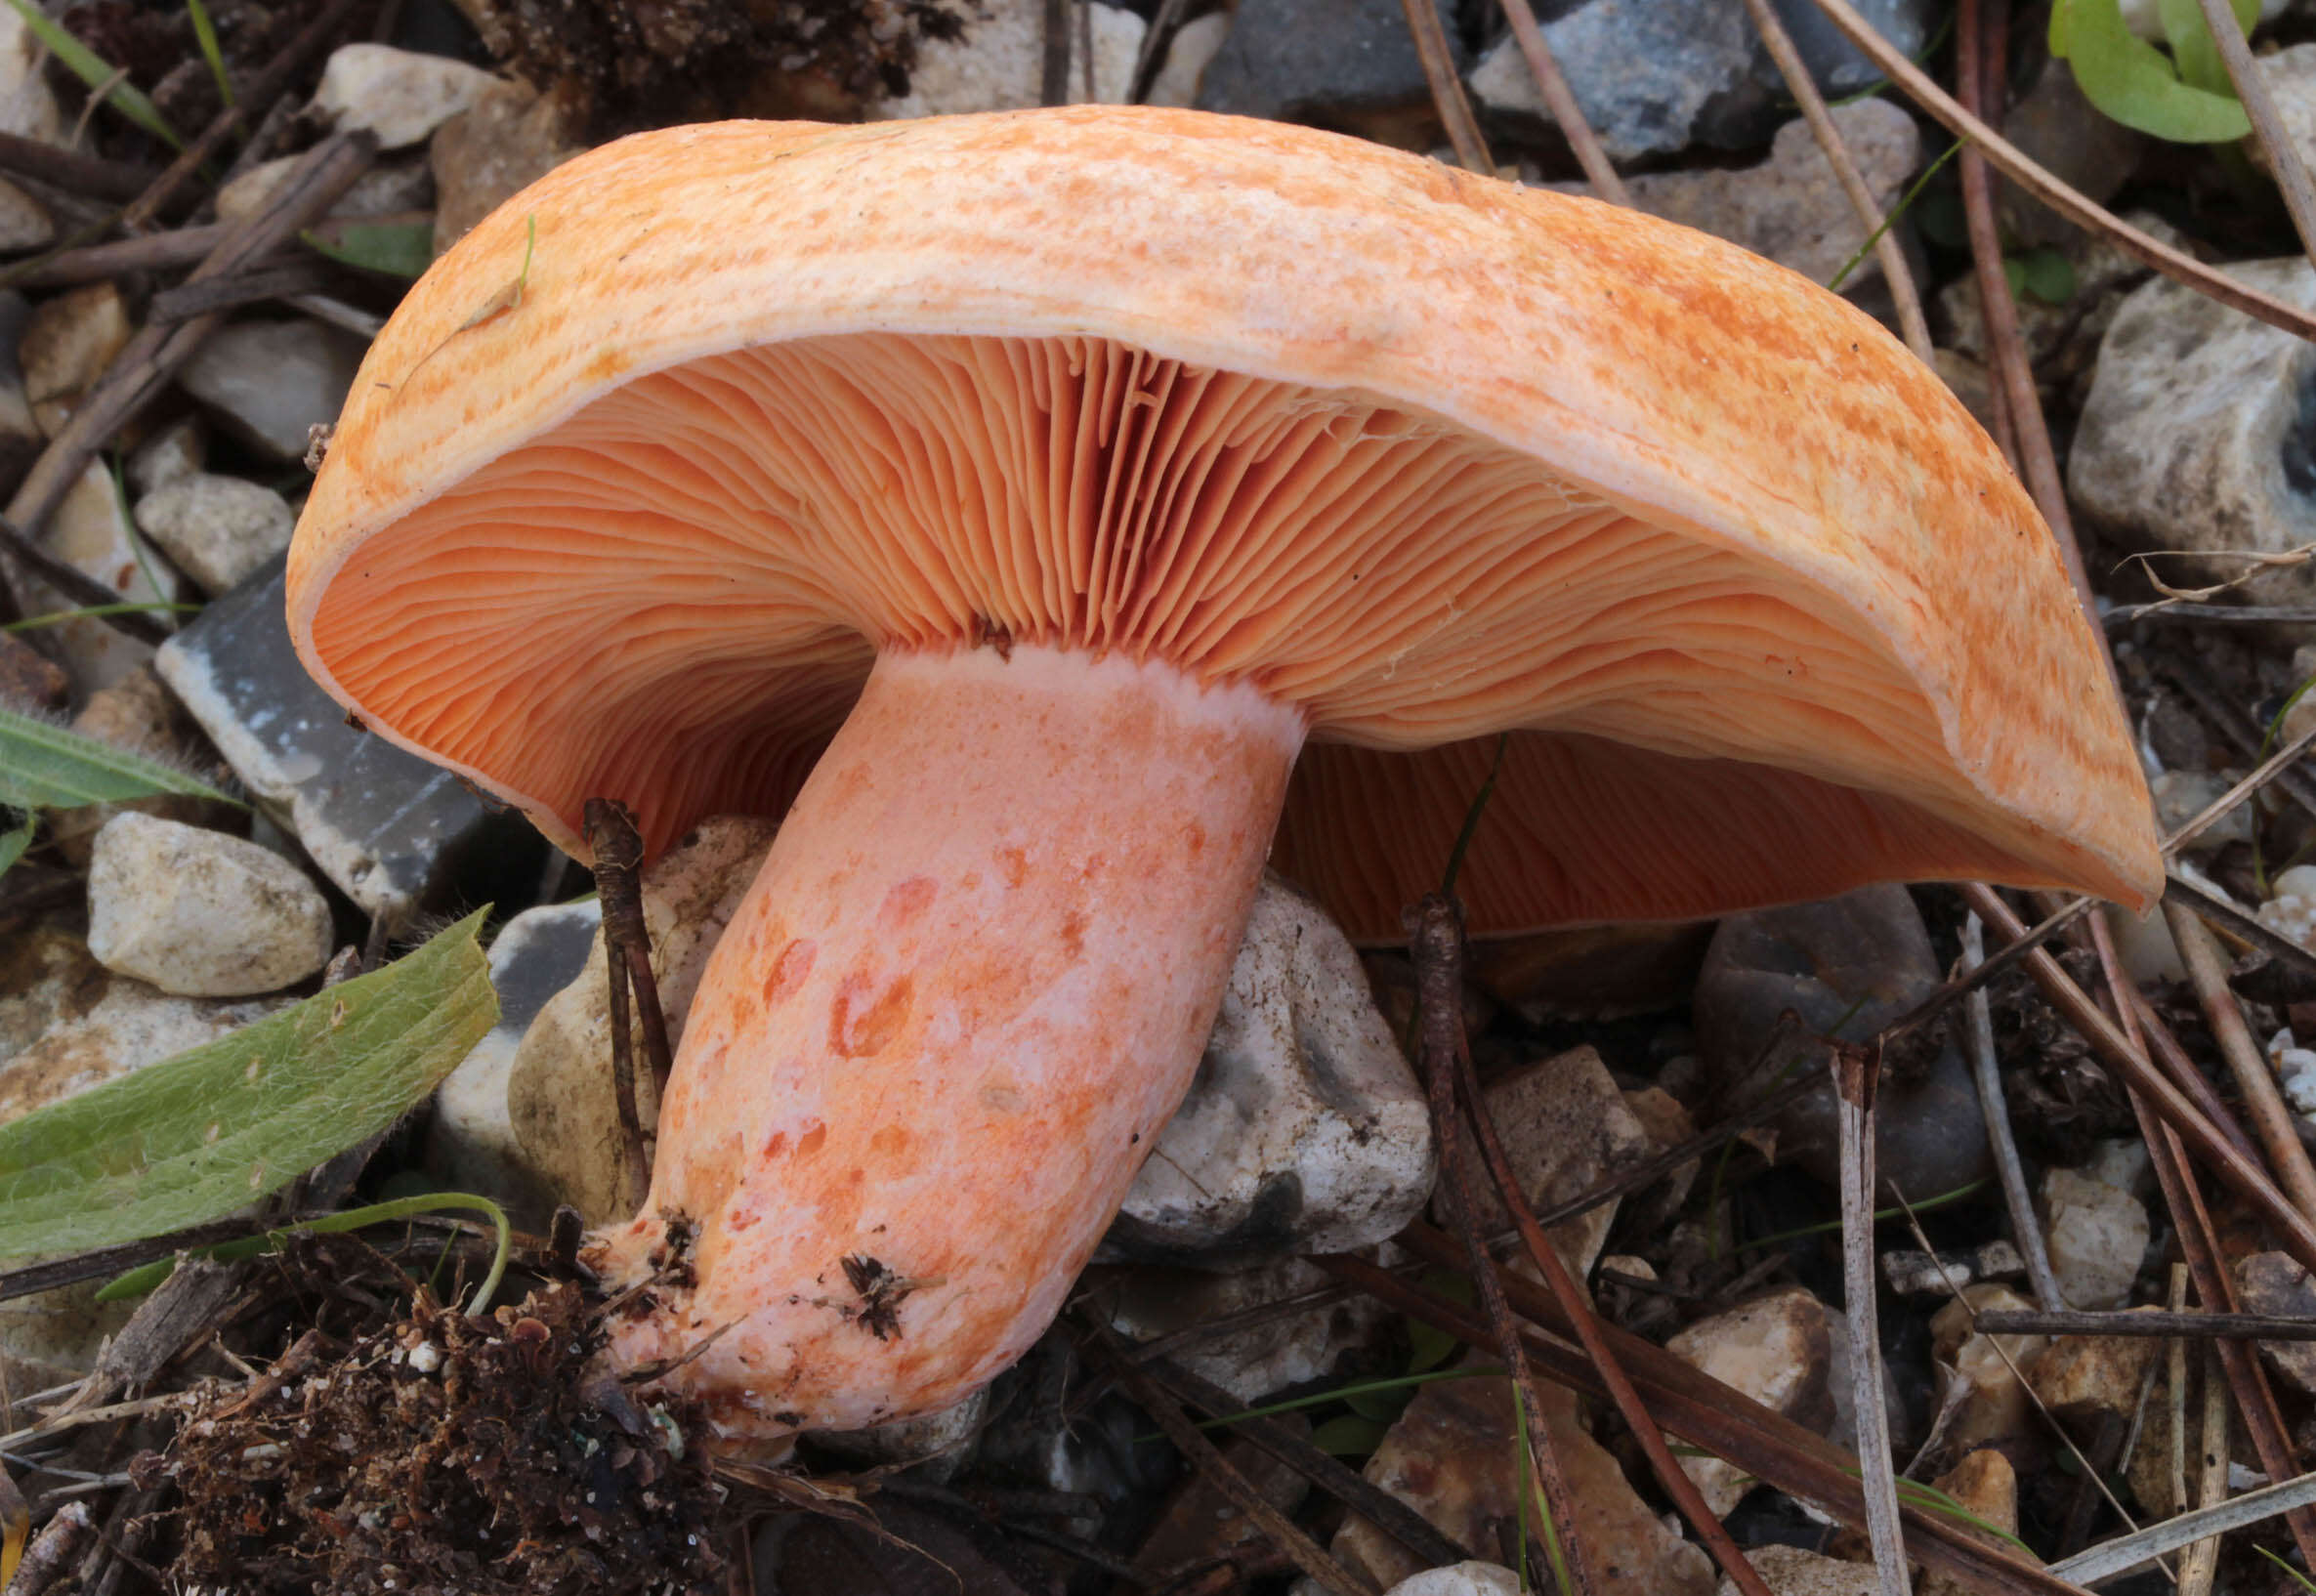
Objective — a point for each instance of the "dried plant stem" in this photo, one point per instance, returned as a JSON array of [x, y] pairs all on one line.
[[1560, 101], [58, 1545], [72, 170], [1548, 1263], [2006, 158], [2146, 1322], [1211, 1465], [2166, 1102], [2245, 929], [1979, 1036], [1446, 86], [1854, 1073], [1053, 67], [2271, 1116], [154, 252], [1912, 325], [618, 849], [2202, 1562], [1436, 942], [2268, 123], [2164, 1049]]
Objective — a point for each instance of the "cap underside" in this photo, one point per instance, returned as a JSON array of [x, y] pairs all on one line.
[[672, 596]]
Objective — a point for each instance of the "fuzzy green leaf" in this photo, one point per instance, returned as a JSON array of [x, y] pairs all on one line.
[[2133, 82], [93, 70], [196, 1136], [396, 249], [46, 767]]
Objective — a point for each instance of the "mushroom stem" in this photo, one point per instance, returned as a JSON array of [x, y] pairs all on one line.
[[970, 981]]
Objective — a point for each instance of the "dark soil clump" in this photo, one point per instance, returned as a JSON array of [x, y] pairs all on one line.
[[444, 1453]]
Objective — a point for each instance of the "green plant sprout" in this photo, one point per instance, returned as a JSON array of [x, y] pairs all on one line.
[[2184, 97], [205, 31]]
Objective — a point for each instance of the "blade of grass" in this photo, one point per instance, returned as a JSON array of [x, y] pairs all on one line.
[[205, 31], [93, 70]]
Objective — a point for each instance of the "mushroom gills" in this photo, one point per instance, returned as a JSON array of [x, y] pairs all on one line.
[[973, 978]]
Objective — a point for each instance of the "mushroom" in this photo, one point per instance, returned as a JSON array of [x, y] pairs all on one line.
[[1011, 499]]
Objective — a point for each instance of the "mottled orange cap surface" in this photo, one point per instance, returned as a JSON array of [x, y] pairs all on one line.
[[1430, 456]]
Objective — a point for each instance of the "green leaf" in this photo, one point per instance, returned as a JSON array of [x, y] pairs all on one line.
[[2135, 83], [205, 31], [46, 767], [14, 841], [2190, 38], [1348, 1436], [93, 70], [196, 1136], [2046, 275], [397, 249]]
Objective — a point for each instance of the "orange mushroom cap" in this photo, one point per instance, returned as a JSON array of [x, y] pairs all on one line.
[[1427, 456]]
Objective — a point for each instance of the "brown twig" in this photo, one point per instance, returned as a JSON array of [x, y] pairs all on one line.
[[255, 99], [1701, 1409], [1548, 1260], [2271, 1116], [2076, 207], [148, 361], [618, 849], [1912, 325], [2243, 927], [1053, 65], [1446, 86], [1856, 1072], [1436, 941], [1309, 1556], [280, 278], [2166, 1101], [1561, 102], [98, 263], [72, 170], [1156, 40], [2147, 1322], [2164, 1049]]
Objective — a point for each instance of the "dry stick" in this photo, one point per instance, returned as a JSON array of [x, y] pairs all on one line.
[[80, 588], [2268, 123], [1911, 321], [2006, 158], [1053, 68], [2199, 1245], [98, 263], [1156, 41], [1979, 1041], [72, 170], [1548, 1260], [148, 361], [1446, 86], [2243, 927], [56, 1546], [2164, 1049], [1694, 1406], [1213, 1466], [1436, 940], [1856, 1071], [2202, 1561], [2271, 1116], [618, 854], [256, 98], [2165, 1100], [1560, 101], [2147, 1321]]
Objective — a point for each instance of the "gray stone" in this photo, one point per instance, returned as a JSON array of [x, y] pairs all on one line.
[[394, 832], [512, 137], [1654, 76], [178, 450], [1461, 1579], [937, 1444], [388, 188], [2096, 1238], [90, 532], [1791, 208], [1304, 1130], [218, 529], [2063, 339], [2291, 80], [1844, 966], [996, 61], [2200, 432], [1793, 1570], [1912, 1272], [1776, 1350], [400, 96], [269, 383], [1319, 61], [2054, 126], [470, 1145], [24, 223], [1257, 1359], [201, 914], [2270, 1282], [2181, 795], [559, 1089]]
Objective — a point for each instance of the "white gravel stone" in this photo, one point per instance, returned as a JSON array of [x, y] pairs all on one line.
[[1791, 1571], [2097, 1236], [997, 63], [1461, 1579], [24, 223], [1304, 1130], [90, 532], [1776, 1350], [1565, 1128], [398, 95], [199, 913], [218, 529], [1256, 1358], [26, 106]]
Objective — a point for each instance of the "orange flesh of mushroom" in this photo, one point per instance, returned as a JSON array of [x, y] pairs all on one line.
[[970, 981]]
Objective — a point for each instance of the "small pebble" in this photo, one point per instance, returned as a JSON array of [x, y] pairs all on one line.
[[201, 914], [218, 529]]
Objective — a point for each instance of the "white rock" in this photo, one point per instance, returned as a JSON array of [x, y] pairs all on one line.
[[218, 529], [999, 61], [1993, 1401], [270, 381], [199, 913], [2290, 908], [1461, 1579], [2144, 944], [470, 1145], [67, 345], [2181, 795], [1256, 1358], [1776, 1350], [90, 532], [26, 106], [559, 1089], [24, 223], [2097, 1236], [398, 95], [179, 450], [1196, 44], [1304, 1130]]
